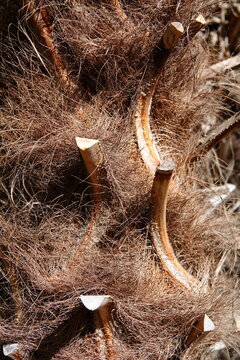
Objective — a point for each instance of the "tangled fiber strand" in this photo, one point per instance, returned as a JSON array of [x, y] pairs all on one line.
[[46, 194]]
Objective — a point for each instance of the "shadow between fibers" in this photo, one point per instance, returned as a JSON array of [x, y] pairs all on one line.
[[79, 323]]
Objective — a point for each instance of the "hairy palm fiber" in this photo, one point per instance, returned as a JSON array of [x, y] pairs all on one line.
[[72, 69]]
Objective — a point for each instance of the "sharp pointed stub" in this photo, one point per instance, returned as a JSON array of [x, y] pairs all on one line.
[[202, 327], [102, 306], [160, 56]]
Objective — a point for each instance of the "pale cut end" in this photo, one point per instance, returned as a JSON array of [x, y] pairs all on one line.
[[84, 143], [200, 19], [166, 167], [195, 26], [10, 350], [202, 327], [208, 324], [172, 34], [220, 345], [95, 302]]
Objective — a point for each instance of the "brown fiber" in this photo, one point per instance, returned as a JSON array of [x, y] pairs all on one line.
[[45, 192]]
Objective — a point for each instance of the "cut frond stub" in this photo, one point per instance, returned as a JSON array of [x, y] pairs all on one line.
[[12, 351], [101, 305], [142, 114], [203, 326], [160, 240], [92, 157], [171, 36], [95, 302], [194, 27]]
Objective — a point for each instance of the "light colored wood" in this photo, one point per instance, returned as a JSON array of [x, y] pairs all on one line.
[[201, 329], [146, 143], [194, 27], [160, 240], [102, 305], [203, 325], [95, 302], [142, 113], [12, 351], [92, 156], [171, 35]]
